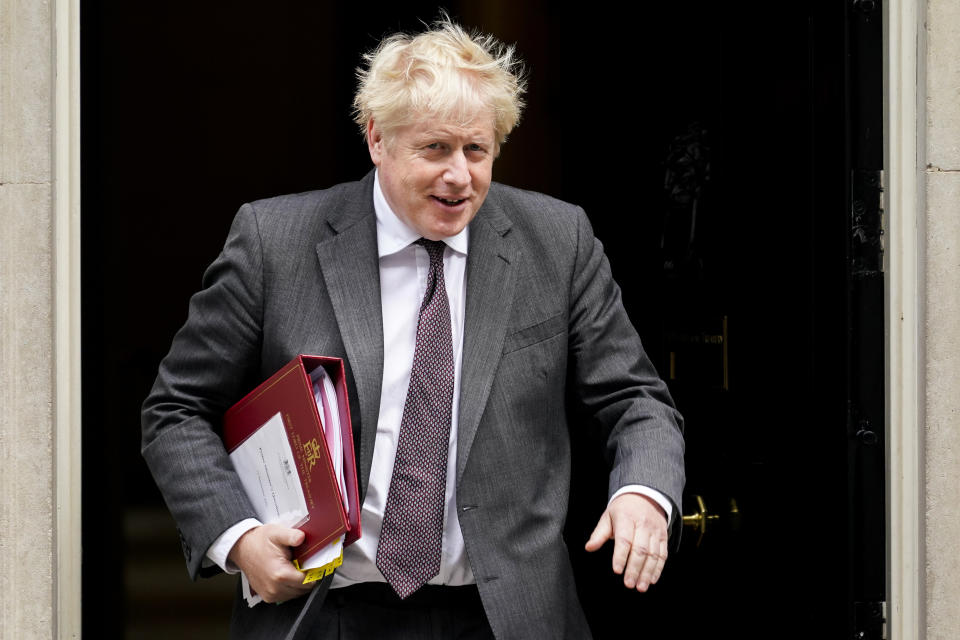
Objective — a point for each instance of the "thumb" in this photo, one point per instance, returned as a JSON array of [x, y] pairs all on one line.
[[601, 533], [288, 537]]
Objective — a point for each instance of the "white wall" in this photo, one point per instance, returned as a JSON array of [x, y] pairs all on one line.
[[941, 324], [26, 321]]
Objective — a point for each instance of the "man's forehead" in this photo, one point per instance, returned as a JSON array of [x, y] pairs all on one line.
[[479, 127]]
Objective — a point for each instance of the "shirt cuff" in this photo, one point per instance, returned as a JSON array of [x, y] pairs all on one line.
[[221, 547], [653, 494]]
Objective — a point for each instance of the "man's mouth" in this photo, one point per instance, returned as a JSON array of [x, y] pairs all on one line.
[[450, 202]]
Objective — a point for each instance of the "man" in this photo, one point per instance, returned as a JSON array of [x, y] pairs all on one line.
[[467, 313]]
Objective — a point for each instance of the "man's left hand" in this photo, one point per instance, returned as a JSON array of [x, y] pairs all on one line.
[[638, 527]]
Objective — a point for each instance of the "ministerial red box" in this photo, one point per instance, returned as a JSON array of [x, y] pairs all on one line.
[[290, 392]]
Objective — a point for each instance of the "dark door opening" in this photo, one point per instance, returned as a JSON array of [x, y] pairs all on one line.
[[735, 267]]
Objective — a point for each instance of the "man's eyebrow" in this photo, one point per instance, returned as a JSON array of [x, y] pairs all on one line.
[[433, 134]]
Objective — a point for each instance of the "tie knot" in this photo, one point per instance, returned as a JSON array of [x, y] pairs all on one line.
[[434, 249]]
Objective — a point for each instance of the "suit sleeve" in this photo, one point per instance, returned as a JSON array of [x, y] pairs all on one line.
[[212, 361], [618, 384]]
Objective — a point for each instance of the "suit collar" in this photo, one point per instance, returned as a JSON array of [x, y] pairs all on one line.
[[491, 273], [493, 214], [348, 261], [356, 205]]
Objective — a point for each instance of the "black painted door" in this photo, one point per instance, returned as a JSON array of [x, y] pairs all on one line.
[[762, 264]]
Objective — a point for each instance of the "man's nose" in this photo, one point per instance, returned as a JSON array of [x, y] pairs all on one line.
[[457, 172]]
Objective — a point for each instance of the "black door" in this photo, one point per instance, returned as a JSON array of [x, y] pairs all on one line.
[[761, 262]]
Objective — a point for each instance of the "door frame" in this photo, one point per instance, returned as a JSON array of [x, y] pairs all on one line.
[[66, 614], [904, 204]]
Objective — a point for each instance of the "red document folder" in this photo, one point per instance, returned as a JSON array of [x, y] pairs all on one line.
[[290, 392]]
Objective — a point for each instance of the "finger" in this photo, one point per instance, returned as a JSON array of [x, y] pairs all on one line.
[[637, 562], [601, 533], [283, 582], [647, 541], [622, 546], [297, 588], [661, 561], [647, 570], [282, 592], [653, 567]]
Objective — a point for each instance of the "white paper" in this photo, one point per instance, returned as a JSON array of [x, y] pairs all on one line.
[[325, 395], [268, 471], [325, 556]]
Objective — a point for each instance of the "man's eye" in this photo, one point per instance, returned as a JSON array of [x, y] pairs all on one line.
[[433, 145], [474, 147]]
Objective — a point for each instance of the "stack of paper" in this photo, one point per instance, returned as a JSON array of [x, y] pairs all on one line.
[[325, 561]]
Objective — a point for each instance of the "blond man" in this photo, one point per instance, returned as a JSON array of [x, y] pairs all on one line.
[[468, 313]]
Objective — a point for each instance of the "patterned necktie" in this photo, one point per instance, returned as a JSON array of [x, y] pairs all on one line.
[[408, 554]]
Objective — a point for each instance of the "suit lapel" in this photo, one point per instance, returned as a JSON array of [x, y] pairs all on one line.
[[491, 273], [350, 266], [348, 259]]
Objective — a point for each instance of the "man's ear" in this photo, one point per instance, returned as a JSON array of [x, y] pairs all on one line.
[[375, 142]]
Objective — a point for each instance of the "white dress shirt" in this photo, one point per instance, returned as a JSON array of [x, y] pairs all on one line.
[[403, 280]]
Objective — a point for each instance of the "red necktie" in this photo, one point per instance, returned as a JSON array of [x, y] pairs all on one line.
[[408, 554]]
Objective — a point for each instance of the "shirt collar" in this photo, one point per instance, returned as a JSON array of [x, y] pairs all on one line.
[[393, 234]]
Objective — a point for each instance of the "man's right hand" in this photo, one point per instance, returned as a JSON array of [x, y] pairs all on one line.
[[263, 554]]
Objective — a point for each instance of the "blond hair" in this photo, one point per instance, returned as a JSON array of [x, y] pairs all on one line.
[[444, 73]]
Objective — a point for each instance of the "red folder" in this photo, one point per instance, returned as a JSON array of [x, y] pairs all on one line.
[[290, 392]]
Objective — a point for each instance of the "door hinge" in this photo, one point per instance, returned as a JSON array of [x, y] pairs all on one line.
[[870, 620], [866, 223]]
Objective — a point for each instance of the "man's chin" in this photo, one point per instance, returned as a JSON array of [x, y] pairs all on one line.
[[441, 229]]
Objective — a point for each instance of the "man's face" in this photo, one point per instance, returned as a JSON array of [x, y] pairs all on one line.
[[435, 175]]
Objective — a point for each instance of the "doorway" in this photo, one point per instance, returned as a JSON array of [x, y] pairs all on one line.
[[735, 269]]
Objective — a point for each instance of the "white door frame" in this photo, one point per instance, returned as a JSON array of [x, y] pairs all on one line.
[[905, 209], [905, 57], [66, 328]]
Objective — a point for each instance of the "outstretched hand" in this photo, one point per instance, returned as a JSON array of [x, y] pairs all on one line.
[[638, 527], [263, 554]]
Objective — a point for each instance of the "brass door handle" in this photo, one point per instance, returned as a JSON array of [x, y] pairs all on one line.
[[700, 519]]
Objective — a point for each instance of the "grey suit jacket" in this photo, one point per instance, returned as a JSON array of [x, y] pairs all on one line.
[[299, 274]]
